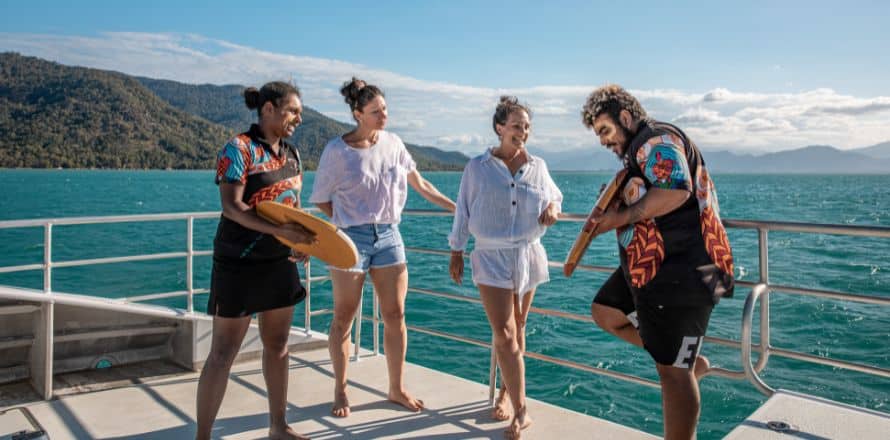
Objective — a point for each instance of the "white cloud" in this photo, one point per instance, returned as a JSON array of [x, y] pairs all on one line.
[[465, 142], [700, 116], [408, 125], [456, 116]]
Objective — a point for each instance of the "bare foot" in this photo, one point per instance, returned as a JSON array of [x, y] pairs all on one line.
[[702, 365], [520, 422], [285, 432], [503, 409], [341, 404], [403, 398]]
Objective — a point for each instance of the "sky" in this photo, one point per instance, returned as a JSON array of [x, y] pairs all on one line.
[[751, 76]]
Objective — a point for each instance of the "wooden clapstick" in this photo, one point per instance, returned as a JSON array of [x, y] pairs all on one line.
[[607, 195]]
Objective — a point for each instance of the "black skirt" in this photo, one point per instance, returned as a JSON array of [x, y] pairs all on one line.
[[241, 287]]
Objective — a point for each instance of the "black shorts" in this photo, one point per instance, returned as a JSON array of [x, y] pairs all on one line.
[[671, 333], [242, 287]]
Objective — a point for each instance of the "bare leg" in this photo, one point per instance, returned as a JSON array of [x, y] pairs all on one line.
[[274, 330], [227, 336], [615, 322], [347, 287], [391, 287], [500, 311], [680, 401], [502, 407]]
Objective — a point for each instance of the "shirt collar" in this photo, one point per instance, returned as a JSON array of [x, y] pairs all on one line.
[[489, 156], [256, 135]]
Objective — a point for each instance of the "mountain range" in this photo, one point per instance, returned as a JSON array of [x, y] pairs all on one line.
[[52, 115], [815, 159]]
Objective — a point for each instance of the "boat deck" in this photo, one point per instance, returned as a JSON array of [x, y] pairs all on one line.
[[163, 407], [787, 413]]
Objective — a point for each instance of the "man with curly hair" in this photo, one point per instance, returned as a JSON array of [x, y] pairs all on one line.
[[675, 258]]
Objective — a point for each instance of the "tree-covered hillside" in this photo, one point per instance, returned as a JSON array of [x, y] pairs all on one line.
[[53, 115]]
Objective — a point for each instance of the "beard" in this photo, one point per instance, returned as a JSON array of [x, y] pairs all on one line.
[[628, 136]]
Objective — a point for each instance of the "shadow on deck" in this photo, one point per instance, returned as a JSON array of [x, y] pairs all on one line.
[[161, 405]]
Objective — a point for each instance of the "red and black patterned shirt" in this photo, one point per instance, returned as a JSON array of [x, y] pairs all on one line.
[[249, 160]]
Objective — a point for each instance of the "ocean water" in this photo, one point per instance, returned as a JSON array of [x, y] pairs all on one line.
[[839, 329]]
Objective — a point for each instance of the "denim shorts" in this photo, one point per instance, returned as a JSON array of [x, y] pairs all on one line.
[[379, 245]]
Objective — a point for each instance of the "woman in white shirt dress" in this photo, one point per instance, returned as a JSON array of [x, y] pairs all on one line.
[[362, 185], [507, 200]]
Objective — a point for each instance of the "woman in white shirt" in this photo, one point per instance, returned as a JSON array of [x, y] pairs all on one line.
[[507, 200], [362, 185]]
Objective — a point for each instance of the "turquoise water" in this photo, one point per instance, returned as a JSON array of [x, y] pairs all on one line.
[[844, 330]]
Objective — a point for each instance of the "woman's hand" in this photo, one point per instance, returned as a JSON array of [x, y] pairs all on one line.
[[456, 266], [298, 257], [295, 233], [549, 216]]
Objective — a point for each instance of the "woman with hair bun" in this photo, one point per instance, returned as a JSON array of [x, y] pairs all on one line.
[[252, 271], [362, 185], [506, 201]]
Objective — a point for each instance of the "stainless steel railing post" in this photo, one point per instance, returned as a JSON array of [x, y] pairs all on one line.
[[763, 245], [492, 372], [759, 291], [307, 304], [375, 319], [48, 258], [190, 264], [43, 351], [358, 326]]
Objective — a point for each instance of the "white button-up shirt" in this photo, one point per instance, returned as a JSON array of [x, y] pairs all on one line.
[[364, 185], [501, 212]]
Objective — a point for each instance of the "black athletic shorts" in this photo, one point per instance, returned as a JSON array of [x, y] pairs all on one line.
[[242, 287], [671, 333]]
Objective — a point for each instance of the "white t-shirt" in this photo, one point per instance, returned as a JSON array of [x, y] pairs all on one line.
[[364, 185]]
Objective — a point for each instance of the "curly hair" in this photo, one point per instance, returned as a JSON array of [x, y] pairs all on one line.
[[610, 99], [506, 106]]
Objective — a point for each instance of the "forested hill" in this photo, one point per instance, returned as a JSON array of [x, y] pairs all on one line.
[[224, 105], [58, 116], [53, 115]]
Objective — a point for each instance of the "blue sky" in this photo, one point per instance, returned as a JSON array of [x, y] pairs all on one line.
[[747, 76]]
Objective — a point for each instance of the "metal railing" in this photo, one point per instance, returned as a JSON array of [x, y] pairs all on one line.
[[760, 292]]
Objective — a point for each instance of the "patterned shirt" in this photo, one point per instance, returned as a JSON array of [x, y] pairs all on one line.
[[249, 160], [661, 157]]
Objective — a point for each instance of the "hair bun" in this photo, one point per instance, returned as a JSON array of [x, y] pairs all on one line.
[[252, 98], [506, 105], [507, 99], [351, 90]]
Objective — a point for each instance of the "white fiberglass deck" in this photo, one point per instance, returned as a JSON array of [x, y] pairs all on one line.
[[798, 415], [165, 408]]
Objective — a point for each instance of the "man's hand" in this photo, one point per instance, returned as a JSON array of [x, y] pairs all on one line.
[[613, 218], [456, 267], [549, 216]]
